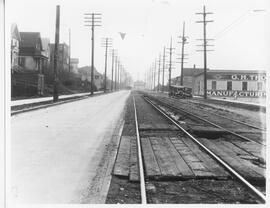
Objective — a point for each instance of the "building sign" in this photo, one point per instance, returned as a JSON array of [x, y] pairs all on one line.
[[236, 93], [238, 77]]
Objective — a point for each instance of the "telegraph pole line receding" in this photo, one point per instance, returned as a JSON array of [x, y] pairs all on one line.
[[106, 45], [159, 60], [155, 69], [118, 81], [204, 46], [112, 69], [56, 78], [115, 79], [92, 20], [163, 69], [152, 78]]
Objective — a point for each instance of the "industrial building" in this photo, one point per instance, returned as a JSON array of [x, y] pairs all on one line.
[[247, 85]]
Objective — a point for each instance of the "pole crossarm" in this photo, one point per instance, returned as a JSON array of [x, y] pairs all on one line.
[[205, 21]]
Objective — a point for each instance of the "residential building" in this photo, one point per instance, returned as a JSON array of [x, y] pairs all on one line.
[[85, 74], [74, 65], [46, 52], [15, 41], [31, 61], [30, 52]]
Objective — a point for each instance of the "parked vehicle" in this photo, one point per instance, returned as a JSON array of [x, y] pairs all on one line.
[[180, 91]]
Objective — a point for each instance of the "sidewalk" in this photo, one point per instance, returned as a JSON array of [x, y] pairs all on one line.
[[38, 100]]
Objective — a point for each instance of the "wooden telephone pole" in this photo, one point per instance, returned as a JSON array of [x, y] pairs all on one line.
[[106, 44], [92, 20], [170, 63], [163, 69], [184, 41], [116, 64], [112, 68], [155, 66], [204, 21], [56, 78], [159, 60]]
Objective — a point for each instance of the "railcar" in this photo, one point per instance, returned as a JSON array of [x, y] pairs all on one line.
[[180, 91]]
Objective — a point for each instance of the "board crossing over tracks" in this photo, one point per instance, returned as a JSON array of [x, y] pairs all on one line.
[[260, 195]]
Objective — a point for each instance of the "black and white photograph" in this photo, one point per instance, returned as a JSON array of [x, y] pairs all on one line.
[[134, 102]]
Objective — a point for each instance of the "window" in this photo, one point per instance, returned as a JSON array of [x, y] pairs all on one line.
[[244, 86], [22, 61], [214, 85], [229, 85], [259, 85]]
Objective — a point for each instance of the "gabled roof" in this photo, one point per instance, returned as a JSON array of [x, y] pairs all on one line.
[[30, 39], [15, 32]]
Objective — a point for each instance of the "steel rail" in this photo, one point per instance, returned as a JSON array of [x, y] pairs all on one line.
[[259, 194], [142, 182], [236, 121], [213, 124]]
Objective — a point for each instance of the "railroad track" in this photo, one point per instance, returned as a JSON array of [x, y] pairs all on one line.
[[205, 118], [259, 195], [221, 116]]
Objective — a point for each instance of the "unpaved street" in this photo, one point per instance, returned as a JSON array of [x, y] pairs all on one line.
[[56, 152]]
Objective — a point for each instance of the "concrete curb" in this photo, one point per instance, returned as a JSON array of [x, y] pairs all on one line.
[[71, 99], [47, 105]]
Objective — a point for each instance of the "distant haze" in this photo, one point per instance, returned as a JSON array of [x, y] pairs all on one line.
[[241, 30]]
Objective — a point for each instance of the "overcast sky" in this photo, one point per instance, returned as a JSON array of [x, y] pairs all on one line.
[[242, 35]]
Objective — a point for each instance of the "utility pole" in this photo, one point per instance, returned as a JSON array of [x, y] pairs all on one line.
[[115, 80], [204, 46], [163, 70], [170, 64], [118, 79], [159, 60], [184, 41], [69, 37], [92, 20], [152, 77], [106, 45], [149, 78], [112, 68], [119, 75], [155, 65], [56, 78], [155, 71]]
